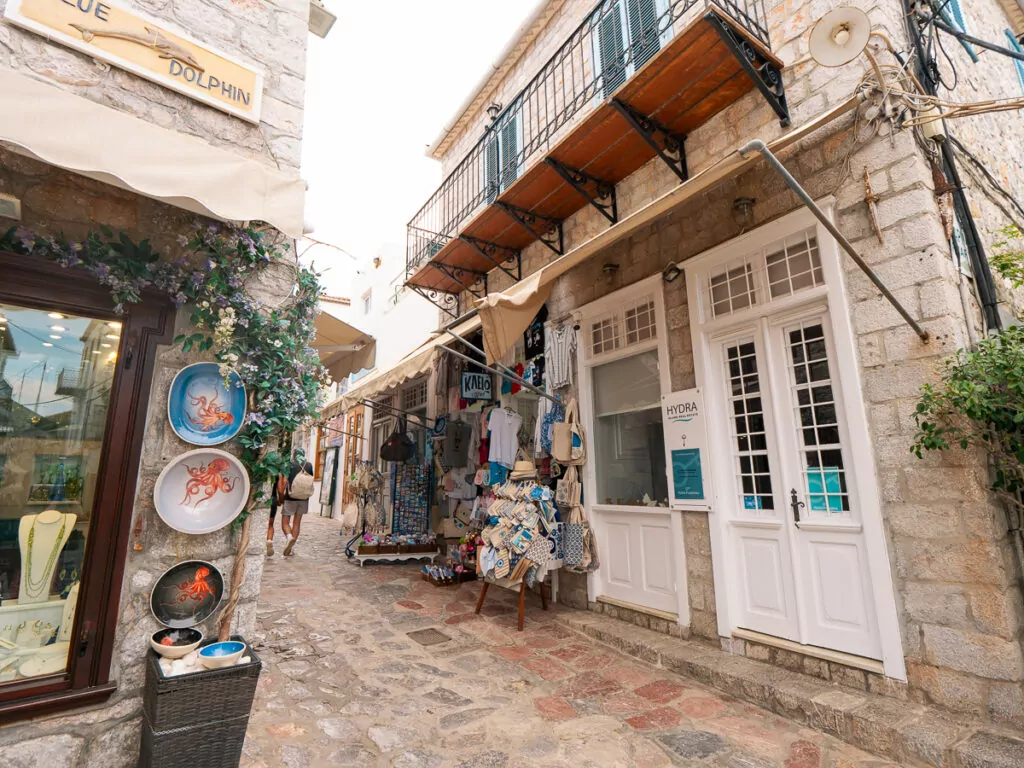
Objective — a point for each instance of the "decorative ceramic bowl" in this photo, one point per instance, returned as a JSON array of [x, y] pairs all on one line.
[[201, 491], [221, 654], [187, 594], [176, 643], [201, 409]]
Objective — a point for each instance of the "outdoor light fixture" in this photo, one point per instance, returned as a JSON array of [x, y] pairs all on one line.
[[320, 19], [743, 211], [493, 110], [610, 269], [671, 272]]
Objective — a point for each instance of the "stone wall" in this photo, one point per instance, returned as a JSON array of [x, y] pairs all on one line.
[[269, 34], [950, 556], [56, 201]]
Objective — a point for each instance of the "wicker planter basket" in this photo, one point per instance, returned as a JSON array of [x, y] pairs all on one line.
[[194, 699], [215, 744]]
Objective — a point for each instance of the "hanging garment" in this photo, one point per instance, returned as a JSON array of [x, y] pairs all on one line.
[[518, 370], [457, 443], [533, 337], [560, 351], [543, 406], [504, 424]]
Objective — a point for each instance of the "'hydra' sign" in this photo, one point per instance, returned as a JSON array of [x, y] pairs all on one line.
[[686, 452], [139, 44]]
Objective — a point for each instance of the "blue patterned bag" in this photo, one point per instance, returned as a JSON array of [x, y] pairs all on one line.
[[554, 415]]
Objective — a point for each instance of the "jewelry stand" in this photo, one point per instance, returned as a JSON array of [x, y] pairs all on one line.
[[49, 532]]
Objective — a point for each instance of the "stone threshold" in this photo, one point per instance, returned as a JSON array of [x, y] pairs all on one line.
[[909, 733]]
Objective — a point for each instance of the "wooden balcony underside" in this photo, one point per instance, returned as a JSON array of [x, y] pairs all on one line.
[[694, 77]]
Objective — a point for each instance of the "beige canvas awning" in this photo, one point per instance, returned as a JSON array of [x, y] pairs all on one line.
[[506, 315], [343, 349], [416, 363], [72, 132]]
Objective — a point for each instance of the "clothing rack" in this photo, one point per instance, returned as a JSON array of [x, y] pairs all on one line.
[[502, 371]]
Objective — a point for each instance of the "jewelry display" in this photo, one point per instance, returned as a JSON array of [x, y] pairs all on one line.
[[41, 545]]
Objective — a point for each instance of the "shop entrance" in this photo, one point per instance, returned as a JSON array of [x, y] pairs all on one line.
[[797, 543]]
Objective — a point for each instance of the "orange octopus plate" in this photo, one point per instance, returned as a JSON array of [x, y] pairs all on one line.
[[201, 491], [203, 407], [186, 594]]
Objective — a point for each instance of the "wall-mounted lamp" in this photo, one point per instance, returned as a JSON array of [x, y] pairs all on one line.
[[671, 272], [320, 19], [610, 269], [493, 110], [743, 211]]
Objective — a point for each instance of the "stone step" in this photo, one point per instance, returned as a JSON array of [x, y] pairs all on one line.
[[912, 734]]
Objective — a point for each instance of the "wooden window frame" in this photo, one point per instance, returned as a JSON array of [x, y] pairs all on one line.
[[320, 450], [37, 284]]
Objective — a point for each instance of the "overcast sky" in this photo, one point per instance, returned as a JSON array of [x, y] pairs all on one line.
[[379, 89]]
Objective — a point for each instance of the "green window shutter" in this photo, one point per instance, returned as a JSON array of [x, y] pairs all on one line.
[[509, 152], [643, 30], [612, 50], [492, 167]]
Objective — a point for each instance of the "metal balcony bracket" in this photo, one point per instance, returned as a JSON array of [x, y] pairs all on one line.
[[548, 231], [669, 146], [598, 192], [498, 255], [446, 302], [468, 279], [764, 74]]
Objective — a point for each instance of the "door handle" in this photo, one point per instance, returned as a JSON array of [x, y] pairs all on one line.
[[795, 503]]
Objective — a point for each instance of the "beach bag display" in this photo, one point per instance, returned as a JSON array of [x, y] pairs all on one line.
[[302, 486], [569, 490], [567, 442], [575, 547], [554, 415], [398, 447], [524, 468]]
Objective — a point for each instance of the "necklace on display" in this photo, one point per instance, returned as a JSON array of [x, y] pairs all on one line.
[[35, 587]]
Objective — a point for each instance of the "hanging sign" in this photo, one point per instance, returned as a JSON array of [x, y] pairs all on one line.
[[686, 452], [477, 386], [146, 47]]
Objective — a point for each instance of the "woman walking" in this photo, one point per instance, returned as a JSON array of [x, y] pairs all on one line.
[[296, 499]]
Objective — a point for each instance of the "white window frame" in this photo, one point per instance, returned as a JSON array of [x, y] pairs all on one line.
[[585, 362], [862, 475]]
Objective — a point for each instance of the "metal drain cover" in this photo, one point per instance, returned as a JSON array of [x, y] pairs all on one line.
[[429, 636]]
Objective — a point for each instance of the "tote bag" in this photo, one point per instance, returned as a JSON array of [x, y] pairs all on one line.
[[567, 444], [569, 490]]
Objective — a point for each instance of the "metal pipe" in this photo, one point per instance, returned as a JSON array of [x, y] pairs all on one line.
[[759, 146], [511, 377], [963, 37]]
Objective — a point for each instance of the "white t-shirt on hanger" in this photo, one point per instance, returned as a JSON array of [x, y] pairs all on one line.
[[504, 426]]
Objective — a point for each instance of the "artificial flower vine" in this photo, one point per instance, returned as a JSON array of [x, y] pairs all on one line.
[[269, 348]]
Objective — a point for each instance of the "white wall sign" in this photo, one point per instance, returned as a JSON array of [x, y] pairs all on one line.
[[476, 386], [686, 450]]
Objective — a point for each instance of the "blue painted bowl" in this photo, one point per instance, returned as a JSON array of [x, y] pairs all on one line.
[[222, 654], [201, 409]]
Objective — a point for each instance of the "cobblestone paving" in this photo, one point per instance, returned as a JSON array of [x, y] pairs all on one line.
[[344, 685]]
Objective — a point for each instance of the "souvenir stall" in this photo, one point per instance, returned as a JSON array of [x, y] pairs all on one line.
[[507, 458], [404, 534]]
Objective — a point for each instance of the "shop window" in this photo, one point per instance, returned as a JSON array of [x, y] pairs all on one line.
[[732, 290], [415, 396], [794, 267], [625, 327], [69, 417], [629, 440], [322, 435]]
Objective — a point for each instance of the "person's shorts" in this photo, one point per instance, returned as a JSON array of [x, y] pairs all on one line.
[[295, 507]]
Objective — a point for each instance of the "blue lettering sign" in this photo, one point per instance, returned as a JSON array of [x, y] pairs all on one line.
[[102, 11]]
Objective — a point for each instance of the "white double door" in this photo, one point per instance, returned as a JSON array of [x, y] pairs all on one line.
[[798, 562]]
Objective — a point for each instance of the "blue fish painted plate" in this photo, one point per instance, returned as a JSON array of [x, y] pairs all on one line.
[[201, 409]]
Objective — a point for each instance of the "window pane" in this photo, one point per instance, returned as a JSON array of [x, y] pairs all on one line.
[[629, 443], [748, 429], [630, 384], [630, 457], [56, 373]]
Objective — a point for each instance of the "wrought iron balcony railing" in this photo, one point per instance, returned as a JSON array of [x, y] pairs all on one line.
[[614, 42]]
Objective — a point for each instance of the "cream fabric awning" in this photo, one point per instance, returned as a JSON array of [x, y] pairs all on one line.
[[416, 363], [343, 349], [72, 132], [506, 315]]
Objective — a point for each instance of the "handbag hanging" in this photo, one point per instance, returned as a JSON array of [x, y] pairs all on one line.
[[569, 490], [398, 447], [568, 445], [574, 539]]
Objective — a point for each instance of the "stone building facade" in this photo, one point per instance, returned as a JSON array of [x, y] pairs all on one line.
[[271, 36], [950, 558]]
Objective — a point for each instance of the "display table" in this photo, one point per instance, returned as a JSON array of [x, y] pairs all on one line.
[[396, 557]]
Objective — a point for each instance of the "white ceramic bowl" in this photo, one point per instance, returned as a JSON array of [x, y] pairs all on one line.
[[185, 641], [201, 491], [222, 654]]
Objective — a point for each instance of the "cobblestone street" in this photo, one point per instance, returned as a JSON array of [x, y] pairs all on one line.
[[343, 683]]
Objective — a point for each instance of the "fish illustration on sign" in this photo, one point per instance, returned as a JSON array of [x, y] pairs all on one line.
[[168, 49]]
